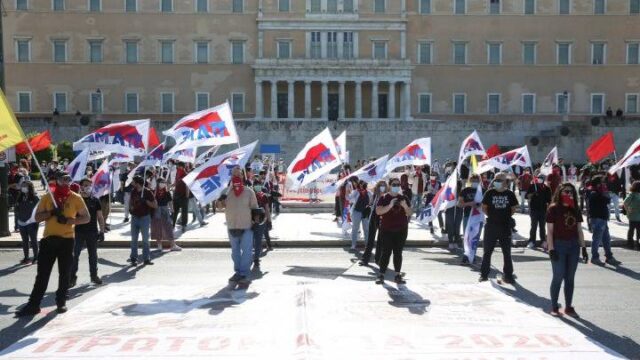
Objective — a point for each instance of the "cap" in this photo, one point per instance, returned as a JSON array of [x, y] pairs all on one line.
[[63, 175]]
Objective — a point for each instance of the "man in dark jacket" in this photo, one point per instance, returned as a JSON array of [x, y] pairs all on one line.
[[599, 199], [539, 195]]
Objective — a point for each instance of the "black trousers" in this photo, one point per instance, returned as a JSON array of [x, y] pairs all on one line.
[[538, 220], [53, 248], [633, 226], [453, 218], [180, 205], [392, 242], [371, 240], [337, 207], [90, 241], [492, 235]]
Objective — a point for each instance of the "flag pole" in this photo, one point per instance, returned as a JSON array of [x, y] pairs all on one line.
[[41, 173]]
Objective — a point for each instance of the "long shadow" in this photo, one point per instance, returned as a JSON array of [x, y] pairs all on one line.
[[315, 272], [13, 268], [403, 297], [22, 327], [622, 344], [624, 271]]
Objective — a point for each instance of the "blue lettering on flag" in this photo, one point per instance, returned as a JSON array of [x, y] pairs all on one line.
[[211, 184]]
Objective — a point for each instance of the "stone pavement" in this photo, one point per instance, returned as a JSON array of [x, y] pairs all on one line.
[[302, 229]]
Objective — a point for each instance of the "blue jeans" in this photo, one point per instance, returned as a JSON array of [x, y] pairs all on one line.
[[140, 225], [600, 235], [356, 220], [241, 248], [90, 240], [564, 269], [29, 234], [258, 233], [416, 202]]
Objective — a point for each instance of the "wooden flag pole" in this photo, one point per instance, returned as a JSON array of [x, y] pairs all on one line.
[[41, 173]]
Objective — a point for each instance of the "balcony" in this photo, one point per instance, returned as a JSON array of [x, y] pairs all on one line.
[[334, 68]]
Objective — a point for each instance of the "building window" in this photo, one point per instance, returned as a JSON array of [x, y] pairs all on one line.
[[237, 52], [631, 104], [60, 102], [166, 51], [633, 53], [284, 49], [347, 6], [529, 53], [316, 45], [460, 7], [131, 52], [130, 5], [347, 45], [528, 103], [598, 53], [460, 53], [237, 103], [59, 51], [95, 102], [202, 6], [563, 101], [563, 53], [564, 7], [494, 54], [379, 6], [95, 5], [494, 7], [597, 103], [425, 7], [599, 7], [634, 6], [332, 6], [167, 102], [58, 5], [22, 5], [424, 52], [379, 50], [332, 45], [23, 50], [202, 52], [493, 103], [131, 103], [166, 5], [24, 101], [202, 101], [316, 6], [95, 51], [238, 6], [424, 103], [529, 7], [284, 6], [459, 103]]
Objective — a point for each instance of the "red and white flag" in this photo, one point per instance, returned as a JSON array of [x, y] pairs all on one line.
[[318, 157], [631, 157], [445, 198], [127, 137], [187, 155], [504, 161], [474, 227], [208, 127], [341, 146], [549, 161], [369, 173], [208, 180], [417, 153], [78, 167], [101, 181], [471, 146]]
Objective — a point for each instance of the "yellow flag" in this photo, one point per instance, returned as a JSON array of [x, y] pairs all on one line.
[[474, 163], [10, 131]]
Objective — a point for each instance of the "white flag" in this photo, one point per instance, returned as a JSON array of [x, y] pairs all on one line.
[[318, 157], [549, 161]]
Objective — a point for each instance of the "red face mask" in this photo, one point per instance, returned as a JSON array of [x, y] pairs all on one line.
[[567, 200], [61, 193], [237, 184]]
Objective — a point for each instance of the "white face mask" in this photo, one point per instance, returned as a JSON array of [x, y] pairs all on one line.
[[87, 189], [383, 188], [24, 190], [162, 186]]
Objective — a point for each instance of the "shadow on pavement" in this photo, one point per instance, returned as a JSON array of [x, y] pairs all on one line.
[[403, 297], [315, 272]]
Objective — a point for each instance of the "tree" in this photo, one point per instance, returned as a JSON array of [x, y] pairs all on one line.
[[65, 151]]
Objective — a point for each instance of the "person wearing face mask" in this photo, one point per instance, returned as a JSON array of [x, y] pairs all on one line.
[[498, 204], [161, 221], [26, 202], [87, 235], [260, 222], [431, 189], [238, 205], [142, 204], [374, 223], [466, 198], [453, 220], [394, 210], [61, 210], [360, 199], [565, 238], [598, 206], [616, 189], [524, 181], [539, 195]]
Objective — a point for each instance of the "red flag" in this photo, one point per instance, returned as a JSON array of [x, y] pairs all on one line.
[[153, 138], [601, 148], [39, 142], [494, 150]]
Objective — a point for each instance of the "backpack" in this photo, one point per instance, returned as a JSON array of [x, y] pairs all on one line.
[[362, 203]]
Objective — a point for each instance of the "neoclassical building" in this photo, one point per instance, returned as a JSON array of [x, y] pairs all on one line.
[[323, 59]]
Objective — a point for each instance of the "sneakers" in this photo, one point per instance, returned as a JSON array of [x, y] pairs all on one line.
[[507, 280], [483, 278], [612, 261], [570, 311], [596, 261], [363, 263], [73, 281], [61, 309], [134, 262], [380, 279], [555, 311], [244, 281], [96, 280], [399, 280], [465, 260], [531, 245], [176, 248], [256, 264], [148, 262], [28, 310], [235, 278], [25, 261], [203, 224]]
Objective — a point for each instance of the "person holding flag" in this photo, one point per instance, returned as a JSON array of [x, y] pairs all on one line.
[[161, 222], [142, 203], [374, 219], [539, 196]]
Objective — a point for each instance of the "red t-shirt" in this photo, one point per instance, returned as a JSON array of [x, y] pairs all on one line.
[[138, 205], [263, 200], [181, 187], [525, 181], [395, 219], [565, 222]]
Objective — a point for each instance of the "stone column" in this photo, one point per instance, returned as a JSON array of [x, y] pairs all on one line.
[[341, 113], [259, 105], [403, 45], [307, 99], [374, 100], [407, 100], [260, 45], [358, 100], [325, 100], [392, 100], [274, 99], [290, 97]]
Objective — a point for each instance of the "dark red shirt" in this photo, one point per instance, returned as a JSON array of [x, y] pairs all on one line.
[[138, 205], [395, 219], [565, 222], [181, 187], [263, 200]]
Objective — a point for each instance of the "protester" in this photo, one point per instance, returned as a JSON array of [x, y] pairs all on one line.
[[374, 223], [565, 238], [432, 188], [394, 209], [453, 220], [180, 198], [417, 180], [87, 235], [598, 206], [261, 218], [539, 195], [616, 188], [632, 208], [25, 204], [161, 221], [57, 242], [360, 198], [142, 203], [524, 182], [499, 204]]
